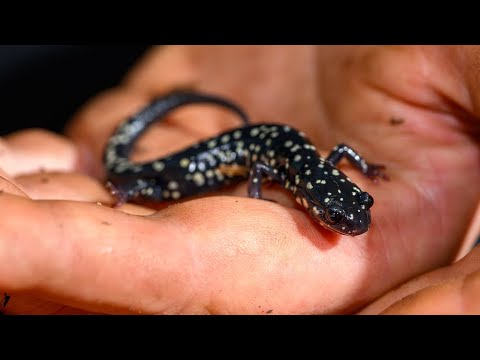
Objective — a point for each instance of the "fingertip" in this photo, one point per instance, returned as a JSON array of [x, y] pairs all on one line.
[[36, 150], [470, 293], [10, 187]]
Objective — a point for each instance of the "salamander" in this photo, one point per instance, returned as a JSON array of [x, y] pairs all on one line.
[[257, 152]]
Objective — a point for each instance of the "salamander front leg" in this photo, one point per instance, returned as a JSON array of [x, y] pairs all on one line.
[[372, 171], [257, 172], [5, 299]]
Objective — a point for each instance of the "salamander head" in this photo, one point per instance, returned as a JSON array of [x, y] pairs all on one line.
[[334, 201], [344, 217]]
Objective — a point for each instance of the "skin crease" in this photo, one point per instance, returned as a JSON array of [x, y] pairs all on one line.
[[231, 254]]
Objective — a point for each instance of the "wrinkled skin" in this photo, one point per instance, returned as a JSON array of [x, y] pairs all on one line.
[[64, 250]]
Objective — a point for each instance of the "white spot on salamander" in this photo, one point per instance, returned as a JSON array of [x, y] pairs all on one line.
[[297, 157], [219, 175], [209, 173], [254, 132], [158, 166], [225, 139], [237, 134], [295, 148], [172, 185], [327, 200], [184, 162], [199, 179], [212, 144], [335, 172], [175, 195], [309, 147], [309, 185], [201, 167]]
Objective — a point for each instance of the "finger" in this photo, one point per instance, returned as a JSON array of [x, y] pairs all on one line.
[[454, 297], [64, 186], [439, 290], [182, 260], [70, 186], [9, 186], [35, 150]]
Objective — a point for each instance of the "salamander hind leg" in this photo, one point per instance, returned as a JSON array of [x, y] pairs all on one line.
[[372, 171], [135, 189]]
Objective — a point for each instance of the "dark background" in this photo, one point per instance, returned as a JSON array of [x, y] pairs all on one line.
[[43, 85]]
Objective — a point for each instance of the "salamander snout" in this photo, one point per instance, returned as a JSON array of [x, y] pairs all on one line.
[[365, 199]]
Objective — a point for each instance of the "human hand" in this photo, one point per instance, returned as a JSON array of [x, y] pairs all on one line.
[[232, 254]]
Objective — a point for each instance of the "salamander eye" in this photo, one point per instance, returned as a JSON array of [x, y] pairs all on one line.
[[366, 199], [335, 214]]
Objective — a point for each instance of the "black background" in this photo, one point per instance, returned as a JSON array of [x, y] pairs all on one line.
[[43, 85]]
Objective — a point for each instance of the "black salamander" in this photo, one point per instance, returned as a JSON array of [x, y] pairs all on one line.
[[274, 151]]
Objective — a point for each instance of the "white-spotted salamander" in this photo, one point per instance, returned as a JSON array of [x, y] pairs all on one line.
[[274, 151]]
